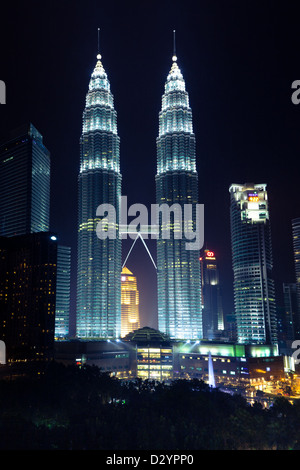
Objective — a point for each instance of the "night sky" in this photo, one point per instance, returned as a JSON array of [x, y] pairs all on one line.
[[238, 59]]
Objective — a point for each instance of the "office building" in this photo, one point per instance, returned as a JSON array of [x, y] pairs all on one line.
[[286, 317], [63, 287], [27, 296], [178, 268], [24, 183], [254, 291], [212, 311], [130, 319], [296, 248], [99, 259]]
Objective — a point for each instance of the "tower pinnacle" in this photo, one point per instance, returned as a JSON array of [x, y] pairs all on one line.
[[174, 58], [99, 57]]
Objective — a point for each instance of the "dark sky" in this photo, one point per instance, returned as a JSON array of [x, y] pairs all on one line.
[[238, 58]]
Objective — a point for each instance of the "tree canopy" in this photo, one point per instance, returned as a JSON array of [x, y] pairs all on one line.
[[85, 409]]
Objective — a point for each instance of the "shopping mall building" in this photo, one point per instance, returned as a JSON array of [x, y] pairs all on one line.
[[149, 354]]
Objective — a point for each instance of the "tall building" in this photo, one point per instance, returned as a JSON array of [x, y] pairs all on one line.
[[24, 183], [254, 290], [178, 268], [28, 296], [130, 319], [62, 310], [212, 312], [99, 260], [296, 248], [289, 320]]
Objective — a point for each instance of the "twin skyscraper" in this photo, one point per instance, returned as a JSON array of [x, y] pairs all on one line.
[[100, 259]]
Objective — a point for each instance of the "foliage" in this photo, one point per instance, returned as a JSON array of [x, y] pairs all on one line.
[[83, 408]]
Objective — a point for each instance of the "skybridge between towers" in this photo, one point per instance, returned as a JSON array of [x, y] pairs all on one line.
[[142, 231]]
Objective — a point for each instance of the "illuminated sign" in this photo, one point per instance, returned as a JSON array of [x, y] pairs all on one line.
[[253, 197], [210, 254]]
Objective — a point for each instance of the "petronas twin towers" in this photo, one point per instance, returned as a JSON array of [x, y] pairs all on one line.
[[100, 259]]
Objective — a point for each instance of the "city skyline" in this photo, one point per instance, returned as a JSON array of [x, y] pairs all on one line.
[[227, 113]]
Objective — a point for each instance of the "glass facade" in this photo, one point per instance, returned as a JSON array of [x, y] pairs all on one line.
[[155, 363], [254, 290], [289, 320], [24, 183], [99, 260], [63, 278], [178, 269]]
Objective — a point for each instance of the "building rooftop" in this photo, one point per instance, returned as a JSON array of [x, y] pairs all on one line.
[[147, 335]]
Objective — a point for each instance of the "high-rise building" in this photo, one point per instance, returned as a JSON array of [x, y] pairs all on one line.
[[290, 311], [296, 248], [178, 268], [27, 296], [254, 290], [62, 310], [99, 259], [24, 183], [130, 319], [212, 312]]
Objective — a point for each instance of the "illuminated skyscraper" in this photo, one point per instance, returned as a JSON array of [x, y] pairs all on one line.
[[254, 291], [62, 308], [24, 183], [130, 319], [99, 260], [213, 320], [178, 268], [296, 248]]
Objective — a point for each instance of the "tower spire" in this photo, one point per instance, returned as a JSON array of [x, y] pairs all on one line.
[[174, 58], [98, 50]]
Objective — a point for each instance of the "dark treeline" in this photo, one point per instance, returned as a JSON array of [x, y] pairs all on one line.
[[78, 409]]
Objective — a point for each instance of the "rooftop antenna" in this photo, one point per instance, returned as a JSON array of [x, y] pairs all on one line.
[[174, 58]]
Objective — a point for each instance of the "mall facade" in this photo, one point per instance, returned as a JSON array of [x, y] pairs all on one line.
[[149, 354]]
